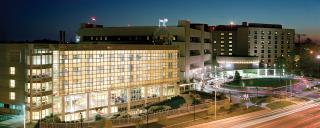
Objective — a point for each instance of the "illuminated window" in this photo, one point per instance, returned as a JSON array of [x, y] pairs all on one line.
[[214, 41], [230, 42], [230, 33], [230, 49], [230, 53], [222, 34], [12, 83], [222, 46], [173, 38], [230, 45], [12, 96], [12, 70]]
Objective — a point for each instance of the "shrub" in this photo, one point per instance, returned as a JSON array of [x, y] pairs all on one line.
[[98, 117], [205, 95], [237, 77], [174, 102], [195, 101], [48, 119]]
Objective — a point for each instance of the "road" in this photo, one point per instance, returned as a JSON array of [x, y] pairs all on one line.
[[305, 119], [254, 119]]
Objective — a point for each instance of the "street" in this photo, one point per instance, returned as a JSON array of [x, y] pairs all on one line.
[[305, 119], [254, 119]]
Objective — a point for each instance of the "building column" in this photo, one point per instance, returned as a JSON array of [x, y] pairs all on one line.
[[266, 72], [176, 89], [258, 72], [161, 92], [109, 101], [88, 105], [128, 100], [146, 95]]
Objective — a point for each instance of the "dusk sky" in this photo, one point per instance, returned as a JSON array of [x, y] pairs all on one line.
[[39, 19]]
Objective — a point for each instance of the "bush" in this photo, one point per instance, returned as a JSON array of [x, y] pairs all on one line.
[[205, 95], [260, 99], [173, 103], [307, 89], [153, 109], [195, 101], [237, 77], [49, 119], [98, 117]]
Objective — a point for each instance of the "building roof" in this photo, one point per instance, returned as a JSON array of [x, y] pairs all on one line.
[[245, 24], [114, 47]]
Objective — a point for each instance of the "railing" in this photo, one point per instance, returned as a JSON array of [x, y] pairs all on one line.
[[151, 116], [67, 125], [130, 120]]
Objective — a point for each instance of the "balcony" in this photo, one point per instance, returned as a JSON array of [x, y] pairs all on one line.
[[40, 78], [39, 92], [39, 106]]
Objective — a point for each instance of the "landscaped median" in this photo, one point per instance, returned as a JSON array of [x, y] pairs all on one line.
[[279, 104]]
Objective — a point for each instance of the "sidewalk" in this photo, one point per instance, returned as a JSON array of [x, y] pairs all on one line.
[[168, 117]]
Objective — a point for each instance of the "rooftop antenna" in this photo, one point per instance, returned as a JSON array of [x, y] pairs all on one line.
[[163, 22], [93, 19], [232, 23]]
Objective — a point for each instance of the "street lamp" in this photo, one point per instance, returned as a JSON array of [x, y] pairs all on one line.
[[318, 58], [147, 118], [215, 104], [215, 71], [275, 70]]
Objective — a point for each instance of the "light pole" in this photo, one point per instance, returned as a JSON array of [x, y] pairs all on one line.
[[215, 104], [194, 108], [318, 58], [215, 71], [147, 117], [275, 70]]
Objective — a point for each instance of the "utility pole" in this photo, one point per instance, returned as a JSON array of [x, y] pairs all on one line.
[[194, 108], [291, 88], [147, 118], [215, 105]]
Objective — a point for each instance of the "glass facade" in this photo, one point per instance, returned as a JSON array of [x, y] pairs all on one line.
[[83, 80]]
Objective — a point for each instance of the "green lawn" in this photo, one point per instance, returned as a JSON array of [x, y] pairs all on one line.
[[262, 82], [279, 104]]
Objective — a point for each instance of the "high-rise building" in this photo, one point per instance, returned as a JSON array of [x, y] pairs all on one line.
[[12, 67], [69, 79], [266, 41], [194, 41]]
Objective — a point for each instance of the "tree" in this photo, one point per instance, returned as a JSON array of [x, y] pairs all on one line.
[[237, 77]]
